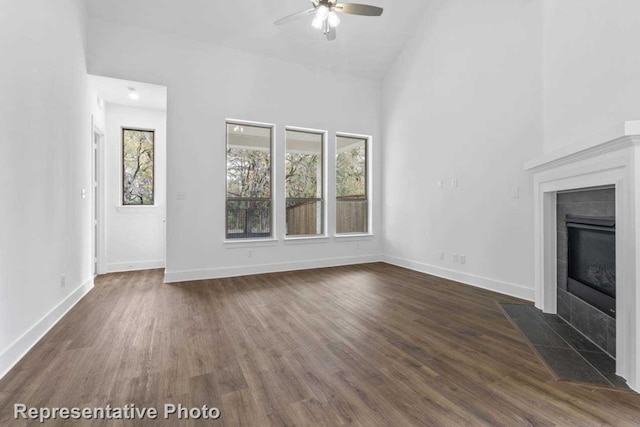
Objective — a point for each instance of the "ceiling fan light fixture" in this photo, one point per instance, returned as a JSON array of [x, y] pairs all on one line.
[[325, 17], [322, 13], [333, 19], [317, 23]]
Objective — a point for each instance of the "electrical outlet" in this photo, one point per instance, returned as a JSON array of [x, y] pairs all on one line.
[[357, 246], [63, 280], [440, 184], [441, 255], [463, 259], [515, 192], [455, 257], [250, 253], [454, 182]]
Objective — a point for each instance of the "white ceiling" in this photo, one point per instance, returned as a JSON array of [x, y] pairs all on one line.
[[116, 91], [366, 46]]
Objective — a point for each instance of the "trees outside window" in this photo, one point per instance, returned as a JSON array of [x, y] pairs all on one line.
[[249, 195], [352, 204], [249, 182], [304, 182], [137, 167]]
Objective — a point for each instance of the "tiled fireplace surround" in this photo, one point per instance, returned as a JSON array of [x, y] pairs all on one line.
[[597, 326], [615, 164]]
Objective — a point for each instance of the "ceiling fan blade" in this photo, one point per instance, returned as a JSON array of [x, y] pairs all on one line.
[[358, 9], [295, 16], [331, 34]]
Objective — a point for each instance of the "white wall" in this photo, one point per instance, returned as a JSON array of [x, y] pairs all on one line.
[[591, 69], [45, 161], [463, 101], [205, 86], [135, 237]]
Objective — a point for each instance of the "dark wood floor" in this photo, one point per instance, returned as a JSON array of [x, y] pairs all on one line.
[[364, 345]]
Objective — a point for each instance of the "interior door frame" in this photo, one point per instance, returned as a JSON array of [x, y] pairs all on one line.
[[98, 234]]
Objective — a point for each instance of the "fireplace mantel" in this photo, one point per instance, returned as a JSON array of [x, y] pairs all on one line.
[[574, 152], [610, 163]]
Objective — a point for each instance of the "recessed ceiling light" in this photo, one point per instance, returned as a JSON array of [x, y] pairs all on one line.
[[132, 94]]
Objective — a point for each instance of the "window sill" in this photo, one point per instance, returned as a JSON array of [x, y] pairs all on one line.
[[302, 240], [353, 237], [137, 209], [249, 243]]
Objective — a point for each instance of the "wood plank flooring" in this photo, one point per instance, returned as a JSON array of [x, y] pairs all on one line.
[[363, 345]]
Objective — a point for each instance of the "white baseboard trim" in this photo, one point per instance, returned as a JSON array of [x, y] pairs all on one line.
[[20, 347], [219, 273], [118, 267], [510, 289]]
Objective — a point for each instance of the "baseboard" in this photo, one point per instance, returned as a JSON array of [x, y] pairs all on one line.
[[117, 267], [510, 289], [21, 346], [219, 273]]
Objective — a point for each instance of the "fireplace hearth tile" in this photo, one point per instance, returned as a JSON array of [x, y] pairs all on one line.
[[574, 338], [563, 249], [529, 312], [563, 349], [605, 364], [589, 196], [611, 337], [562, 211], [561, 274], [590, 321], [539, 333], [564, 305], [570, 365], [521, 311], [584, 209]]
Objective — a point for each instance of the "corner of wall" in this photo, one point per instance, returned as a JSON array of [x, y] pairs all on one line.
[[20, 347]]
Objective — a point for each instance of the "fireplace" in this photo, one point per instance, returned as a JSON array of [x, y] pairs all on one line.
[[597, 162], [591, 263]]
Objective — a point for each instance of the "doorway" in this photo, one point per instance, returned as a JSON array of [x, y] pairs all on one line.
[[129, 175]]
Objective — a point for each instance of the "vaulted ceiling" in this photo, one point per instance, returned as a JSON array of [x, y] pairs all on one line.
[[366, 46]]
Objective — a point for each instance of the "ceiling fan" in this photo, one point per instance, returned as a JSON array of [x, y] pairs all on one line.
[[326, 18]]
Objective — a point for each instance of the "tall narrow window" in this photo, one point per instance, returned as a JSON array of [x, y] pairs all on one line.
[[304, 183], [352, 204], [249, 201], [137, 167]]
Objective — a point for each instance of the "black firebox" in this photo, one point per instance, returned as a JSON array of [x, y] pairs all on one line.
[[592, 261]]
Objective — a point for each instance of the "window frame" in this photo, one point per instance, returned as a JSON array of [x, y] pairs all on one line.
[[272, 178], [325, 173], [122, 172], [367, 186]]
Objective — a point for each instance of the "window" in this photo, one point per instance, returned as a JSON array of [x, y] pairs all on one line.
[[249, 202], [137, 167], [352, 203], [304, 186]]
